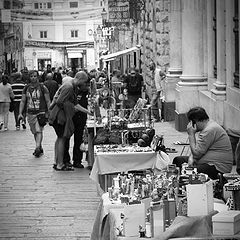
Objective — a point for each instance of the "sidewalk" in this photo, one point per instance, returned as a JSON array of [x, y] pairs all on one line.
[[37, 202]]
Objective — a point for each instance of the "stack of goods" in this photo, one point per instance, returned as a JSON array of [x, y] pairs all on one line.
[[234, 199], [140, 192], [112, 148]]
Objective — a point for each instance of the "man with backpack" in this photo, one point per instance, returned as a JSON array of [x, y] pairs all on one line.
[[134, 84]]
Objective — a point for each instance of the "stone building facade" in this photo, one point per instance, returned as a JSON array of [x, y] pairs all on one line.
[[197, 43]]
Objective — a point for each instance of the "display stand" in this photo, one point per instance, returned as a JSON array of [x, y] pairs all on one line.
[[92, 127]]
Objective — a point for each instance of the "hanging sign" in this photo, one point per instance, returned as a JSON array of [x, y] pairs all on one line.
[[118, 12]]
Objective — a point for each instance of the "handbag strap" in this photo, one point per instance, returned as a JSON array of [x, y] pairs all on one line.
[[32, 99]]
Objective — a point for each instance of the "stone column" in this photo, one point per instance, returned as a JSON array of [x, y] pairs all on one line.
[[175, 53], [219, 91], [192, 79]]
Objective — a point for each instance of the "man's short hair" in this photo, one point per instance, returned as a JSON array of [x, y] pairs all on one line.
[[197, 114], [81, 74]]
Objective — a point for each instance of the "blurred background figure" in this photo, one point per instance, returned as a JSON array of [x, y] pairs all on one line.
[[134, 84], [6, 94], [17, 87], [51, 85]]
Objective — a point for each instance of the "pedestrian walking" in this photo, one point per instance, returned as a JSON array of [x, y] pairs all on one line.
[[17, 87], [134, 84], [51, 85], [6, 94], [157, 90], [36, 98], [62, 110]]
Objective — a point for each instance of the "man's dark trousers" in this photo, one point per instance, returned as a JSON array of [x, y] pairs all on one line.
[[79, 121]]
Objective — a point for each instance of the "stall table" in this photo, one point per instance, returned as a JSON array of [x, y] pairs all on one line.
[[90, 126], [116, 162]]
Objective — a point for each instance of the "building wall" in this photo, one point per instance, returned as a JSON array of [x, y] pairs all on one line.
[[154, 37], [179, 35]]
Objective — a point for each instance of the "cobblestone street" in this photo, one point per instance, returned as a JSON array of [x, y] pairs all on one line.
[[37, 202]]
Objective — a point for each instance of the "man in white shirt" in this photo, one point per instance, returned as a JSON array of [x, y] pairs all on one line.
[[156, 88]]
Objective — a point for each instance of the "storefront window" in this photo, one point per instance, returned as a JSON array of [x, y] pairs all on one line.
[[42, 64], [236, 39]]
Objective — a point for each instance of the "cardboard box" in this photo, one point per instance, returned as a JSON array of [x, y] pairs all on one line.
[[226, 223], [134, 215], [199, 199], [157, 224]]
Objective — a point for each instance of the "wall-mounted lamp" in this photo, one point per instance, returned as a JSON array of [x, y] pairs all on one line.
[[104, 17]]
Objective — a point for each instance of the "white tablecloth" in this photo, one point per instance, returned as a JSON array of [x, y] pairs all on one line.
[[108, 162]]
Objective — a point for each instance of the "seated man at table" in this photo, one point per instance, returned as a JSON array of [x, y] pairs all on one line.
[[211, 151]]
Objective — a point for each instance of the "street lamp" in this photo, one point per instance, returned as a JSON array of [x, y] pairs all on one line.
[[99, 30], [104, 17]]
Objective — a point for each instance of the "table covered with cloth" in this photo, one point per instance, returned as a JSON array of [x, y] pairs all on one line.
[[115, 162], [183, 227]]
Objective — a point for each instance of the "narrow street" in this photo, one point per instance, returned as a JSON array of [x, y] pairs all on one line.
[[36, 202]]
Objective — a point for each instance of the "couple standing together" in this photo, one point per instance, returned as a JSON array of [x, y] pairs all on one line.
[[63, 113]]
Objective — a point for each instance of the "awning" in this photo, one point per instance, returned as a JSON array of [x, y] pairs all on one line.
[[113, 56]]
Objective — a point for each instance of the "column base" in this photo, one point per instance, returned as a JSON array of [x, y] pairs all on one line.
[[169, 111], [180, 122]]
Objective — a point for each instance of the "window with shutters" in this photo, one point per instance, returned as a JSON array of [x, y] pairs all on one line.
[[43, 34], [43, 5], [73, 4], [236, 45], [74, 33]]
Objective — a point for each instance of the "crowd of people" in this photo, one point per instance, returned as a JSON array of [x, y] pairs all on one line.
[[61, 97]]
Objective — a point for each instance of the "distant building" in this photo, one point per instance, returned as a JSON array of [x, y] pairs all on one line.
[[11, 44], [61, 34]]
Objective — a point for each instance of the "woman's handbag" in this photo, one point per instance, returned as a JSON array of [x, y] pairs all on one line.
[[42, 119]]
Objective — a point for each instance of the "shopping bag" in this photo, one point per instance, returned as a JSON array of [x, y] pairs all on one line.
[[162, 161]]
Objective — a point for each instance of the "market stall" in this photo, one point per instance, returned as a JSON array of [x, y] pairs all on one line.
[[111, 159], [166, 204]]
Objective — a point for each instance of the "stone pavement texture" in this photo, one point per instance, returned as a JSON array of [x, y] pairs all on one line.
[[36, 202]]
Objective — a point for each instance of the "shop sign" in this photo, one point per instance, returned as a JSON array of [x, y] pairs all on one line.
[[42, 44], [44, 55], [118, 12]]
